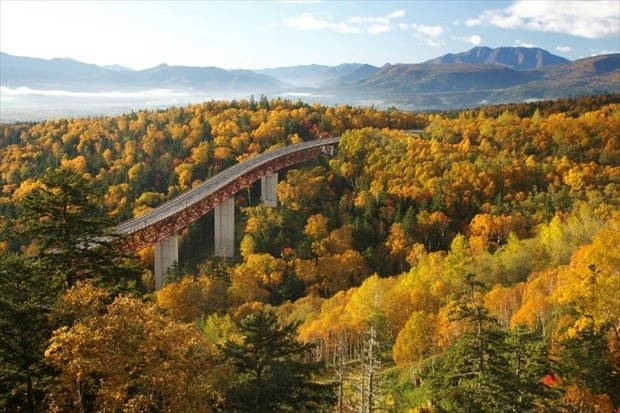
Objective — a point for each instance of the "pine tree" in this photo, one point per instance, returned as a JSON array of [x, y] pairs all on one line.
[[496, 371], [529, 362], [72, 234], [585, 362], [489, 369], [473, 375], [271, 375], [26, 298]]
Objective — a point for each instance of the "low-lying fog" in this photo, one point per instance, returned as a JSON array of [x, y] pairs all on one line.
[[26, 104]]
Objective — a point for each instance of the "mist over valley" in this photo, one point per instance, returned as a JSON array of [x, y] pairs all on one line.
[[34, 89]]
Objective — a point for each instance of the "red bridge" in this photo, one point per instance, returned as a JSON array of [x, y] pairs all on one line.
[[161, 225]]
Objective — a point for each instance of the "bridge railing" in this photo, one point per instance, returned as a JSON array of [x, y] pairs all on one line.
[[185, 201]]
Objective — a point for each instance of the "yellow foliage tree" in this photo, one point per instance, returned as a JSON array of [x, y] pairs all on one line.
[[368, 303], [398, 244], [591, 282], [316, 228], [503, 302], [416, 342], [77, 164], [133, 358], [191, 298], [535, 309], [256, 278]]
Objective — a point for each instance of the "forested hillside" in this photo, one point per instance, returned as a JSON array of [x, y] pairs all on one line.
[[470, 266]]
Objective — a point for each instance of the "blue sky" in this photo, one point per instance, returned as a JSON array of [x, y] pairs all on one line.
[[261, 34]]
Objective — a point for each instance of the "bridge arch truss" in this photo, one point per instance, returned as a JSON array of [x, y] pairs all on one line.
[[172, 216]]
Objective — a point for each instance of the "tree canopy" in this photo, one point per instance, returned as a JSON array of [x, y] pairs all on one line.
[[272, 375], [363, 268]]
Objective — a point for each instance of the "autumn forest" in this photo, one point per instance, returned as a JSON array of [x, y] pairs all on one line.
[[462, 261]]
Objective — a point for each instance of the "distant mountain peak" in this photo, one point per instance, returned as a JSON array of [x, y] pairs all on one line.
[[68, 74], [118, 68], [519, 58], [478, 76], [312, 75]]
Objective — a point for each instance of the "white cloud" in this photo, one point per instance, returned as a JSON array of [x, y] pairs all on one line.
[[379, 28], [600, 52], [563, 49], [355, 24], [309, 21], [430, 31], [520, 43], [429, 35], [396, 14], [587, 19], [475, 39], [374, 25]]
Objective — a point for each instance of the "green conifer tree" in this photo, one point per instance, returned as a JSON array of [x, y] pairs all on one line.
[[489, 369], [271, 374], [72, 234], [26, 298]]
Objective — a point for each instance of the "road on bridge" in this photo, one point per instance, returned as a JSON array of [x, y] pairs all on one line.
[[179, 212]]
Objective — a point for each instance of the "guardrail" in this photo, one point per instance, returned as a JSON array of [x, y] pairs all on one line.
[[177, 213]]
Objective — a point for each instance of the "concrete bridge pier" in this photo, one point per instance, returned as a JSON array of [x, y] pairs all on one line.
[[268, 192], [225, 228], [166, 254]]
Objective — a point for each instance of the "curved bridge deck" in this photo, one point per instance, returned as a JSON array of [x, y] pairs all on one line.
[[175, 214]]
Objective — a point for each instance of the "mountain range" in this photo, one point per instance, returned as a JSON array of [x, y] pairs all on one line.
[[478, 76]]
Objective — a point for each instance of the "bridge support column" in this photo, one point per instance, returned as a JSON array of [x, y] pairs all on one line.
[[225, 228], [166, 254], [268, 192]]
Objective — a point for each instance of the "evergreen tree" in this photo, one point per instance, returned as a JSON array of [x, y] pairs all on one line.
[[26, 298], [585, 362], [473, 375], [174, 273], [489, 369], [72, 234], [530, 364], [271, 375]]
